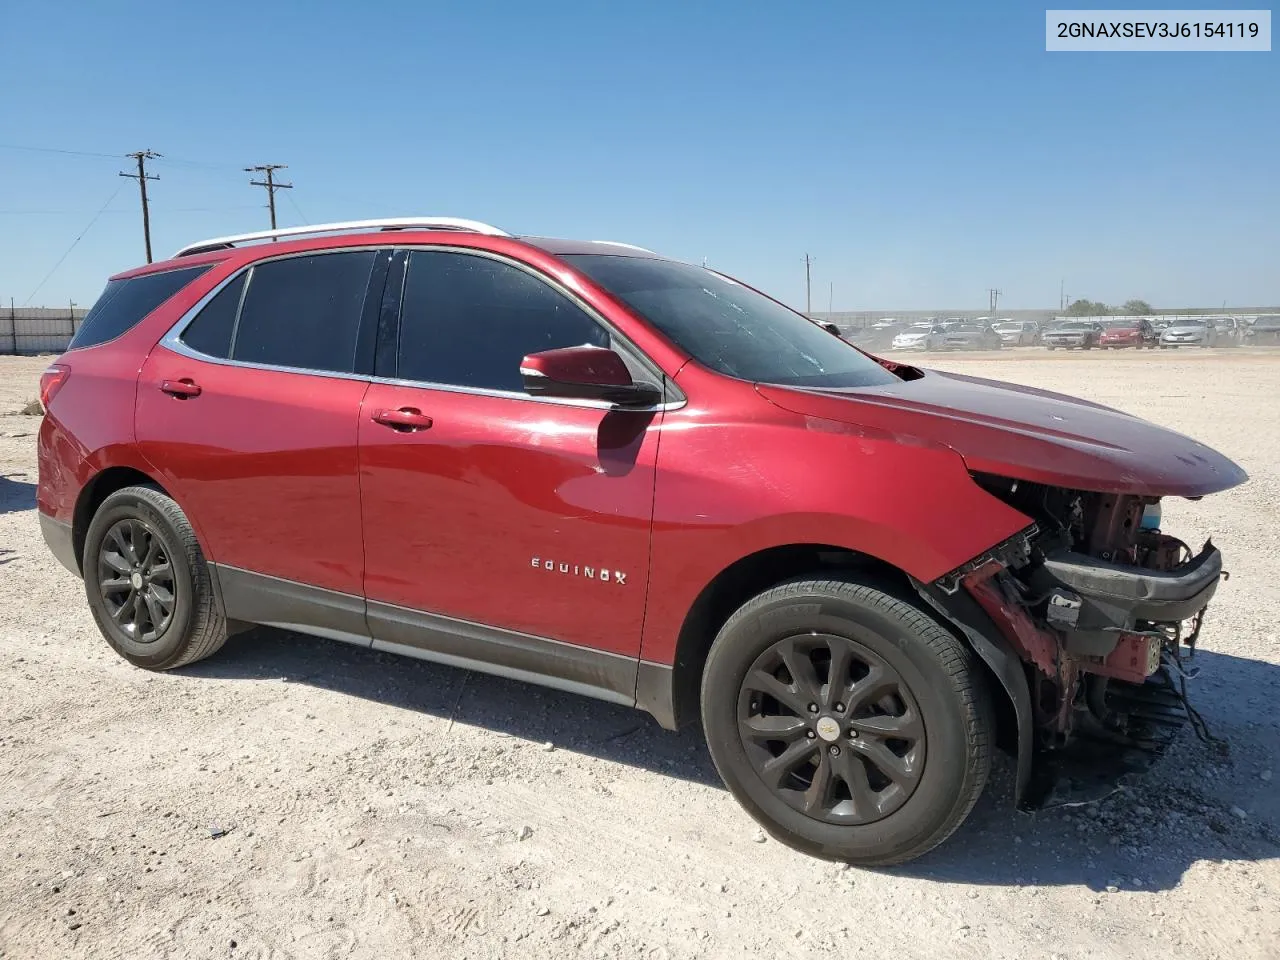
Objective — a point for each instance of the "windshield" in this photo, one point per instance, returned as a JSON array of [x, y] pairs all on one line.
[[1190, 322], [1008, 327], [967, 328], [1076, 327], [731, 328]]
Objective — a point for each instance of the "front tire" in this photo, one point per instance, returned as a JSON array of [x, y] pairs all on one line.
[[847, 722], [147, 582]]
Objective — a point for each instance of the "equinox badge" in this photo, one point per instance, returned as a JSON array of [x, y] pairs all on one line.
[[573, 569]]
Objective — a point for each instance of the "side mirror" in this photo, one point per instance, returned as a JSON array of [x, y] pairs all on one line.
[[585, 373]]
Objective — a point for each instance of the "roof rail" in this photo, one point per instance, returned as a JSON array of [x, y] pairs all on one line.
[[385, 223], [629, 246]]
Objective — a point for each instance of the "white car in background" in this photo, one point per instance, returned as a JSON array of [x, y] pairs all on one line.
[[920, 336], [1017, 333]]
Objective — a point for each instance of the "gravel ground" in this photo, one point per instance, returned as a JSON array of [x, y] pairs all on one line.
[[294, 797]]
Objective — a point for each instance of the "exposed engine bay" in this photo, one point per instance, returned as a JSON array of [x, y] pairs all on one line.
[[1103, 609]]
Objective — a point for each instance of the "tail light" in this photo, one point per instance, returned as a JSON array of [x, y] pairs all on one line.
[[51, 382]]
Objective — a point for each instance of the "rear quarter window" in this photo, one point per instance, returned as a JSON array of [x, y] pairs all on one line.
[[124, 303]]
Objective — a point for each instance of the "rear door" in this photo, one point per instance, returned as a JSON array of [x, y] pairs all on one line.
[[249, 410], [503, 527]]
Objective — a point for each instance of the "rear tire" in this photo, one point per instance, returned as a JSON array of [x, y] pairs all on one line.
[[147, 582], [874, 762]]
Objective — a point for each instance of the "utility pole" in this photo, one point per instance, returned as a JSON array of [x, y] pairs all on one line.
[[808, 288], [831, 297], [267, 170], [142, 156], [994, 296], [1062, 294]]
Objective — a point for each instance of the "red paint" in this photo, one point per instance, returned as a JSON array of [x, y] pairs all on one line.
[[456, 515], [1034, 644], [1025, 433], [508, 510], [266, 460], [1126, 337]]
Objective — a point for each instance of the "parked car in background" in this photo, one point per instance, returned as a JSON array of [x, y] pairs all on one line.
[[878, 336], [1227, 331], [1072, 335], [971, 336], [920, 336], [1129, 333], [1263, 331], [1196, 332], [1017, 333]]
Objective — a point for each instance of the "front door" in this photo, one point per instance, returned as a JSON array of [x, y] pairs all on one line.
[[499, 527]]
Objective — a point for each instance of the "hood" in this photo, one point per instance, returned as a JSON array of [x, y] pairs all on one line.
[[1187, 328], [1121, 332], [1023, 433]]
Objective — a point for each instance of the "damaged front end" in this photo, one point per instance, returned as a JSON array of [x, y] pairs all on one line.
[[1087, 618]]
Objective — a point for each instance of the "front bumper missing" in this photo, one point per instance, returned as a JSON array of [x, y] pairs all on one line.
[[1064, 630], [1100, 607], [1097, 617]]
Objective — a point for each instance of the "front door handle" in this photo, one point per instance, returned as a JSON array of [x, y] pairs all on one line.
[[182, 389], [406, 419]]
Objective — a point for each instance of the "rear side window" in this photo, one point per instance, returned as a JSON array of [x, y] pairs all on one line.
[[468, 321], [304, 311], [125, 302], [210, 331]]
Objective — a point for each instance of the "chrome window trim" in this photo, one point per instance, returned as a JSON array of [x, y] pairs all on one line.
[[172, 340]]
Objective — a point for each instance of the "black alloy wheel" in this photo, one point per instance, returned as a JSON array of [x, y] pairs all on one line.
[[135, 577], [846, 719], [149, 588], [831, 727]]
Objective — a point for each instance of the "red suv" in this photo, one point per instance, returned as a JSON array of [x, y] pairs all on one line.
[[590, 466]]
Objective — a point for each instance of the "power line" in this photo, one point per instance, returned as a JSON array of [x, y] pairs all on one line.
[[297, 209], [70, 153], [47, 213], [73, 245], [174, 161], [267, 170], [142, 156]]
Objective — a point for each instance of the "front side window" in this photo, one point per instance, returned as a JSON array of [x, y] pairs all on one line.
[[124, 303], [730, 328], [469, 320], [304, 311]]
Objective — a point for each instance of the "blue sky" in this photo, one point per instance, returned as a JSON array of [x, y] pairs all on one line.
[[921, 153]]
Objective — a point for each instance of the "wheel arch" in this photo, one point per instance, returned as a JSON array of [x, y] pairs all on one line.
[[100, 486], [672, 693]]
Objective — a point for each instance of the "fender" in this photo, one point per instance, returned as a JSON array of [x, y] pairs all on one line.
[[962, 612]]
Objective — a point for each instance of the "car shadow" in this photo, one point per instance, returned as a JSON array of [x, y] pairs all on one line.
[[1144, 836], [16, 494]]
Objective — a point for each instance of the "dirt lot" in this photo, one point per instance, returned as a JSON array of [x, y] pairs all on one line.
[[299, 798]]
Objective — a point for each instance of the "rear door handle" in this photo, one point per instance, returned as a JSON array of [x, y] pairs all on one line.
[[406, 419], [182, 389]]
